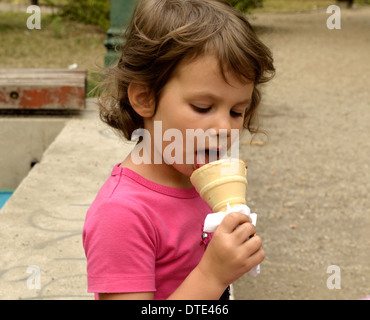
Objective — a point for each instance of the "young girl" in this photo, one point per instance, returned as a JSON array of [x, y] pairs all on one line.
[[185, 64]]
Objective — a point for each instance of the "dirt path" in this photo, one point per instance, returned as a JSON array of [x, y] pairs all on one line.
[[310, 179]]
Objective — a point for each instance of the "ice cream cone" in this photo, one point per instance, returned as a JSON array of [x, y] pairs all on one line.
[[217, 187]]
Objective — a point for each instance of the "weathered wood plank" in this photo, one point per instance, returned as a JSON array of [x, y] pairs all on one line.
[[42, 89]]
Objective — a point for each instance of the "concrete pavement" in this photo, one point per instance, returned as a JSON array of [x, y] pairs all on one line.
[[41, 253]]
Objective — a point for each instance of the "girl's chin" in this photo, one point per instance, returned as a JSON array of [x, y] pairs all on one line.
[[185, 169]]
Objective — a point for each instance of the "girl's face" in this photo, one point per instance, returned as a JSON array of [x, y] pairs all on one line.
[[197, 97]]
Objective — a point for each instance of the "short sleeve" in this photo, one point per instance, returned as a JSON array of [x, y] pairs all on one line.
[[120, 247]]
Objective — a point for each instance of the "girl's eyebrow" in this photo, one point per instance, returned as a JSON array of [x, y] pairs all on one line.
[[213, 97], [205, 95], [246, 101]]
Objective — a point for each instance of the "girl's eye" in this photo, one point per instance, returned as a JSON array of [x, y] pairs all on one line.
[[236, 114], [201, 109]]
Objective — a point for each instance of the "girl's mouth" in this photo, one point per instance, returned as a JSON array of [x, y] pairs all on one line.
[[202, 157]]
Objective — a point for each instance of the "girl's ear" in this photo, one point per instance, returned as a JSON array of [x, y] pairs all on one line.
[[141, 99]]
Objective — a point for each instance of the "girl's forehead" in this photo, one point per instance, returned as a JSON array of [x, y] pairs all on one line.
[[207, 67], [201, 79]]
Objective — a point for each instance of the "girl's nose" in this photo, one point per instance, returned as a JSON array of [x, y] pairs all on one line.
[[222, 122]]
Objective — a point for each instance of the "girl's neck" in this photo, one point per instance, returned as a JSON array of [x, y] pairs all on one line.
[[162, 174]]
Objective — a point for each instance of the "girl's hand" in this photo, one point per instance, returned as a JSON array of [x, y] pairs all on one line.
[[232, 252]]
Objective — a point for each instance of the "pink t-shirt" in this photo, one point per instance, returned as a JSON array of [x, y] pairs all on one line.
[[141, 236]]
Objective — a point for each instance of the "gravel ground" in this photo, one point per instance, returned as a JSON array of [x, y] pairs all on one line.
[[309, 178]]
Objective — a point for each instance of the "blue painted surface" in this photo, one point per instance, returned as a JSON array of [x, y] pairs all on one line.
[[4, 196]]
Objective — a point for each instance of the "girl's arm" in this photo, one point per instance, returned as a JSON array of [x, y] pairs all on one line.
[[228, 256]]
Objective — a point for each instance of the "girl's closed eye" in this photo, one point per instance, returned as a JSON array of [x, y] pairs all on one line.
[[236, 114], [201, 109]]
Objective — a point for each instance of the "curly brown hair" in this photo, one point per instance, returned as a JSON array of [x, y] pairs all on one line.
[[161, 34]]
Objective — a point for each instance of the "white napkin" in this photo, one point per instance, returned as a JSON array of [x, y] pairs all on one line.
[[214, 219]]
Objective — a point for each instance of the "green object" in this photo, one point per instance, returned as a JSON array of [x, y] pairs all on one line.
[[94, 12], [120, 13], [246, 5]]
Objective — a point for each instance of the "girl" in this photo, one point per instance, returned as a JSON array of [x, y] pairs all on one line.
[[185, 64]]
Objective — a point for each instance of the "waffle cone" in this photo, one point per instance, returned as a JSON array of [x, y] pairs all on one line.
[[221, 182]]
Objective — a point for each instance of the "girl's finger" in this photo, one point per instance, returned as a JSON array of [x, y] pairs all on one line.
[[232, 220], [253, 245], [244, 231]]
